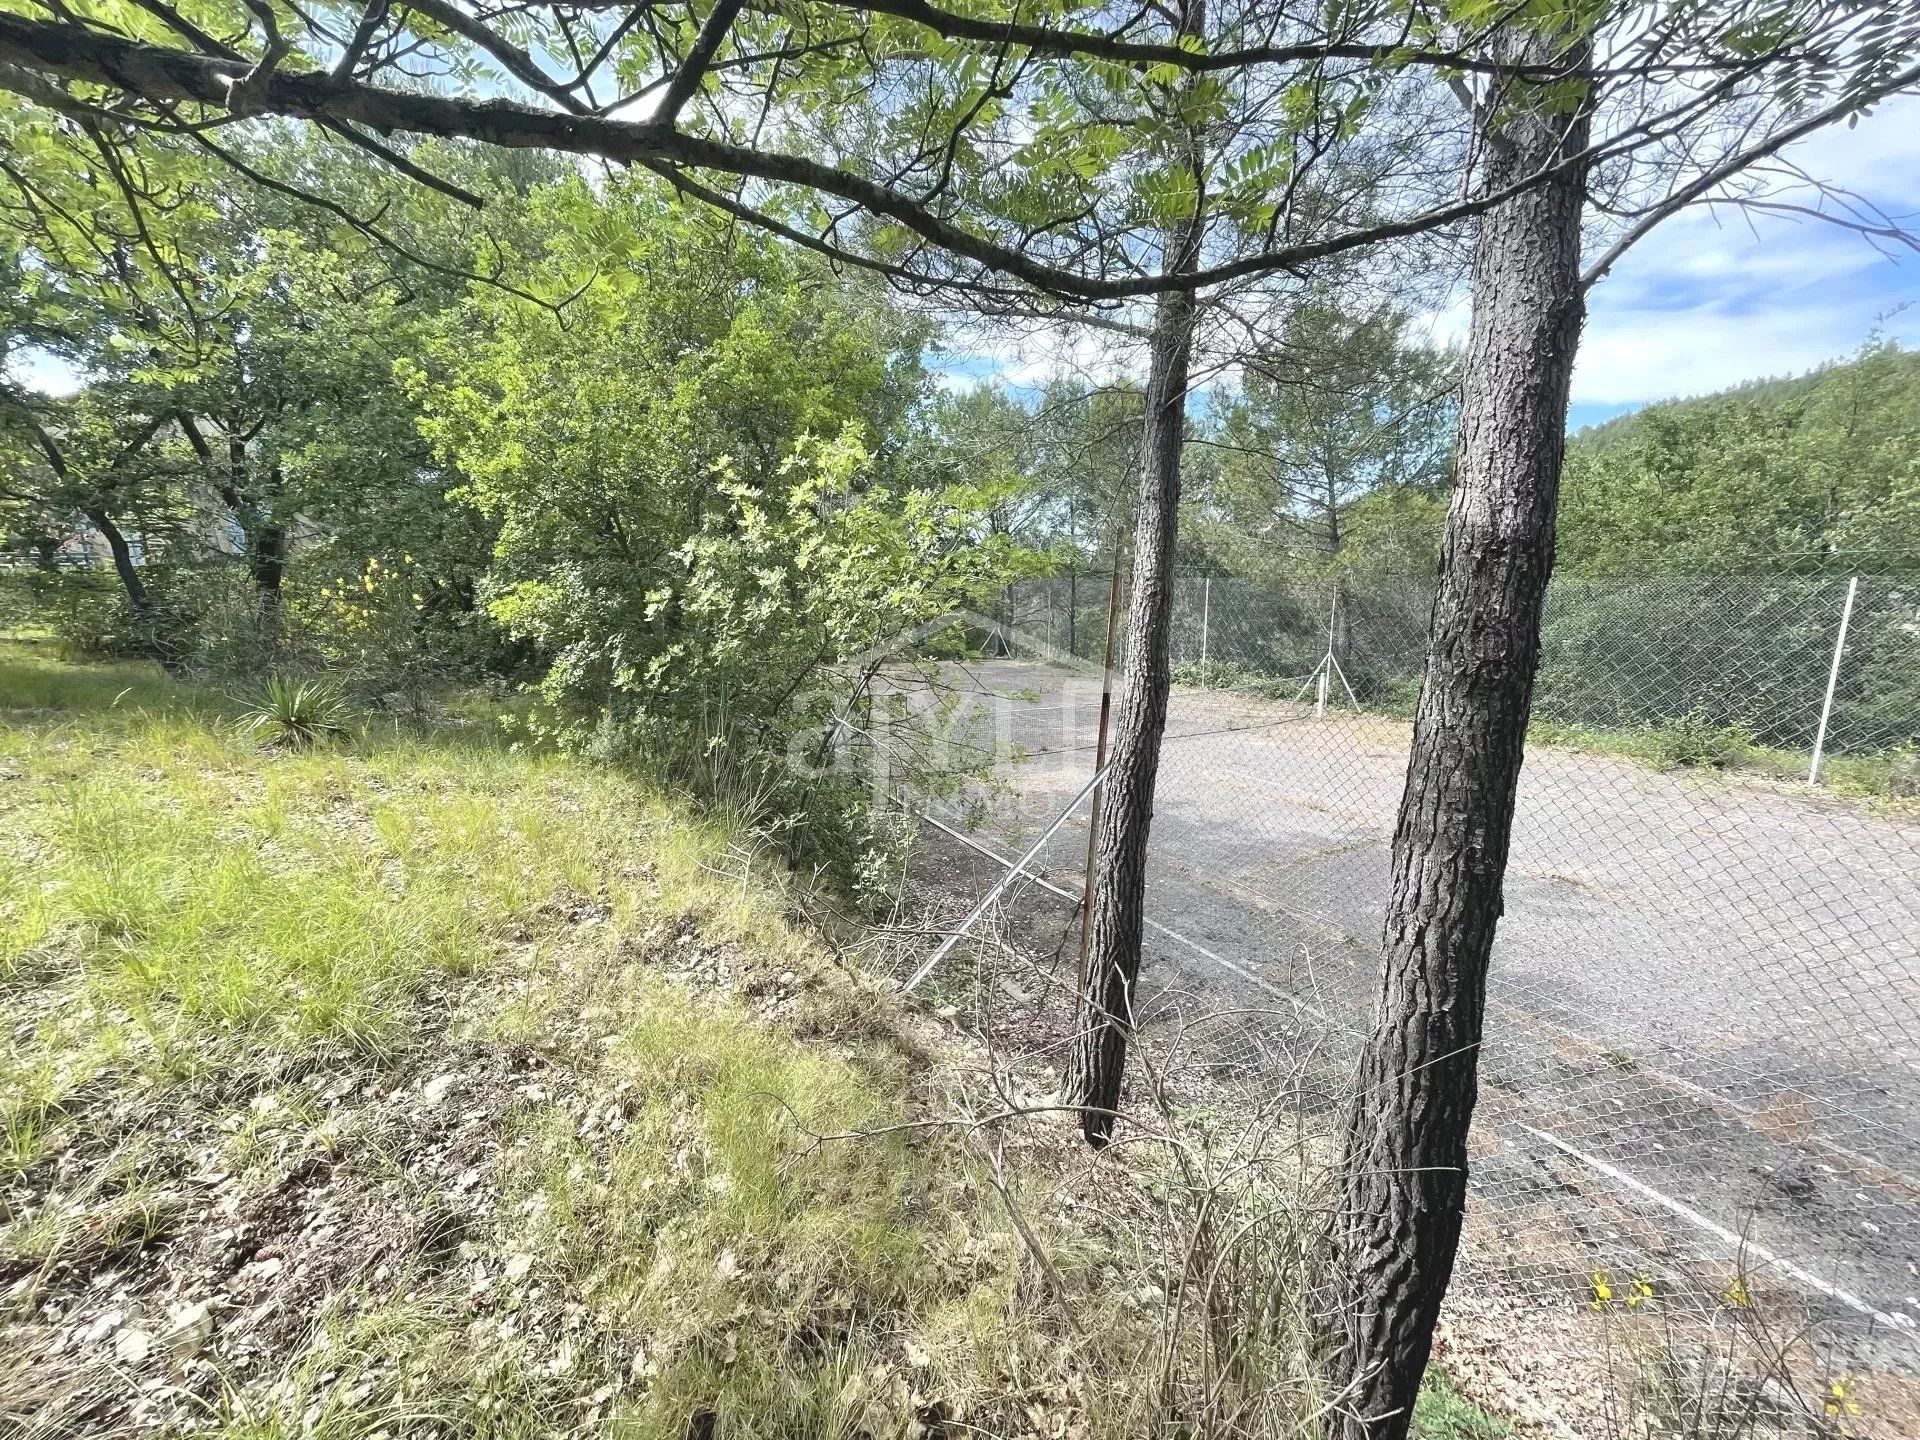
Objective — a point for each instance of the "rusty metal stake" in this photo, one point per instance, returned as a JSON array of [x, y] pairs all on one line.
[[1099, 762]]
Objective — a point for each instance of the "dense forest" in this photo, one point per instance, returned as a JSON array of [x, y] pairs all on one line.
[[600, 460], [1817, 472]]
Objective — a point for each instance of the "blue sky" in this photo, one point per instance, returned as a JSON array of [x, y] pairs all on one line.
[[1711, 299]]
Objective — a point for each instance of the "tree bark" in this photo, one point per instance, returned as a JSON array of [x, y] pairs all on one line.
[[1403, 1183], [263, 540], [1124, 818], [267, 567], [1126, 803], [1126, 808], [267, 562], [137, 597], [163, 649]]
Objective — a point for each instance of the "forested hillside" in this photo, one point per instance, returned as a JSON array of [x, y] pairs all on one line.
[[1798, 473]]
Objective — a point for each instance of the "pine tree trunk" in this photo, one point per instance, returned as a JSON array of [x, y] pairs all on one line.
[[1125, 815], [1126, 804], [1403, 1185]]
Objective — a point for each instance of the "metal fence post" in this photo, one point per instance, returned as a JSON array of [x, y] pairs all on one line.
[[1206, 615], [1833, 679], [1073, 609]]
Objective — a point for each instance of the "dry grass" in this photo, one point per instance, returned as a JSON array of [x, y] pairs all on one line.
[[414, 1085]]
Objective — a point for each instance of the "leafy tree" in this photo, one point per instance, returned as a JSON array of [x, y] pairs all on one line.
[[986, 435], [1344, 410], [245, 342], [1082, 462], [1793, 484], [1106, 158], [1787, 473], [92, 460], [695, 474]]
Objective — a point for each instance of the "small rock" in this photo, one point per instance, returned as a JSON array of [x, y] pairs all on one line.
[[188, 1329], [132, 1346], [102, 1327], [435, 1089]]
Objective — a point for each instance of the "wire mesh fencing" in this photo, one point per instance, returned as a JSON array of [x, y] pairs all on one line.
[[1701, 1078]]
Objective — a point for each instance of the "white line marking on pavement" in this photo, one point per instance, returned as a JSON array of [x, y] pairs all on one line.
[[1686, 1212], [1679, 1208]]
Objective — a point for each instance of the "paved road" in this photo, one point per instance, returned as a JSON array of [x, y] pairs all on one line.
[[1705, 997]]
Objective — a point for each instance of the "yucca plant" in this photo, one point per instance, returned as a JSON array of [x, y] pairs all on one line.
[[296, 714]]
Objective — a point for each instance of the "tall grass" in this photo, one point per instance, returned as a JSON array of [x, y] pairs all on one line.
[[201, 906]]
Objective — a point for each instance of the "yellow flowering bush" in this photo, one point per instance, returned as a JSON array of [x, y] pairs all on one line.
[[371, 626]]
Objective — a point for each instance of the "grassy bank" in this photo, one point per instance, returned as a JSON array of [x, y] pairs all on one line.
[[1887, 779], [421, 1086]]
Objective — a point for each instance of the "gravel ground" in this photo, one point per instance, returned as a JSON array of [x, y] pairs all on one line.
[[1705, 1007]]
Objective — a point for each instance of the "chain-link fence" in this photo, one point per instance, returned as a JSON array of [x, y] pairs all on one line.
[[1701, 1079]]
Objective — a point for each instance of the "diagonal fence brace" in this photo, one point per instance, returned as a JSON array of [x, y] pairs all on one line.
[[1013, 872]]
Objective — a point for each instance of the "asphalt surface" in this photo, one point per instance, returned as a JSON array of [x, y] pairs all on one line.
[[1705, 998]]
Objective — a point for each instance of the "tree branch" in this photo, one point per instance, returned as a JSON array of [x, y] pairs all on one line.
[[1734, 164], [160, 73], [693, 69]]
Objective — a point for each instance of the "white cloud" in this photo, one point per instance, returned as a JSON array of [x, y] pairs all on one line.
[[1715, 297], [1028, 355], [1631, 357]]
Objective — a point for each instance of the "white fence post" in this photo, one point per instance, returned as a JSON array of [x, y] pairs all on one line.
[[1206, 615], [1833, 679]]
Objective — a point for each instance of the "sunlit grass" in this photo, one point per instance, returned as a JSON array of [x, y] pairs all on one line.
[[1887, 779], [199, 934], [1443, 1413], [204, 904], [186, 907], [758, 1261]]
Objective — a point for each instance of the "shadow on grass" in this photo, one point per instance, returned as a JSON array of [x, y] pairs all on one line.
[[37, 685]]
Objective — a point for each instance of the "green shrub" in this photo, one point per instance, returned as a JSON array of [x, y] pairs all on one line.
[[1695, 742], [1443, 1413], [1215, 674], [297, 714], [1241, 679]]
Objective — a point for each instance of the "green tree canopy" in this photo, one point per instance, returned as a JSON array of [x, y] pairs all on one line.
[[698, 470], [1795, 474]]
